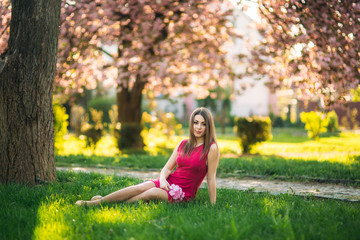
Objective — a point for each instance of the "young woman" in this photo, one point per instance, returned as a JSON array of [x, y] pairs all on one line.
[[194, 158]]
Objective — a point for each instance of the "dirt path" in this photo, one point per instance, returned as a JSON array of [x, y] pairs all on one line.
[[274, 187]]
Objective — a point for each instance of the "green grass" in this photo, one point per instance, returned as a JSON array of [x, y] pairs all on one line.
[[136, 162], [251, 165], [290, 155], [290, 169], [48, 212]]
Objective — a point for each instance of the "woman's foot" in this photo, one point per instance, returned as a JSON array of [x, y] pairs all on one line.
[[88, 203], [80, 203], [97, 197]]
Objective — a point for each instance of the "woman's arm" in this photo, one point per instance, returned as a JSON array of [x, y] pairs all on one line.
[[213, 162], [167, 169]]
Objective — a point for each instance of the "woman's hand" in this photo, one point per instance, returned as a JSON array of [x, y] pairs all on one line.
[[167, 169], [164, 184]]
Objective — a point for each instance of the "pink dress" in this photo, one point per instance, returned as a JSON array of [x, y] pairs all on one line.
[[189, 173]]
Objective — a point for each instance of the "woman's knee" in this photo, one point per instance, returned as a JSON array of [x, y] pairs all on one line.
[[145, 186], [155, 194]]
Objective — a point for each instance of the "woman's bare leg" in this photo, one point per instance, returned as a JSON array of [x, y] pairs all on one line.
[[151, 194], [122, 194]]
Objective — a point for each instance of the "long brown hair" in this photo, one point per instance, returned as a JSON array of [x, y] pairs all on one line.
[[210, 135]]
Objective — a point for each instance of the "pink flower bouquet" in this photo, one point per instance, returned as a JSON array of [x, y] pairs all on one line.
[[176, 193]]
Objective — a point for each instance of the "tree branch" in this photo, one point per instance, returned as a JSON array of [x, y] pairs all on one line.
[[5, 29], [104, 51]]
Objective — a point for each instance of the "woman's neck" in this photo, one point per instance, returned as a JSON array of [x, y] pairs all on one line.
[[199, 141]]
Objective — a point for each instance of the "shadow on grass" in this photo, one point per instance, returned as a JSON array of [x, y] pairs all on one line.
[[40, 212], [19, 210]]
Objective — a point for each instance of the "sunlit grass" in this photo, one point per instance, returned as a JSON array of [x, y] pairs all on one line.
[[48, 212], [340, 149], [287, 143], [292, 155], [289, 154], [293, 143], [51, 220]]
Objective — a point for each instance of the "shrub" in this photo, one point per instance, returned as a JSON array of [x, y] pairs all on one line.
[[60, 126], [349, 121], [252, 130], [278, 122], [315, 123], [95, 131], [153, 131], [60, 120], [163, 123], [78, 118], [160, 130], [103, 104], [333, 123], [114, 124]]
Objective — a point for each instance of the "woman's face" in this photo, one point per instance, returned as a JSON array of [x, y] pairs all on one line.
[[199, 126]]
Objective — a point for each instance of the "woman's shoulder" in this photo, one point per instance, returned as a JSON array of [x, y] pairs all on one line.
[[184, 141], [181, 144], [214, 152], [214, 147]]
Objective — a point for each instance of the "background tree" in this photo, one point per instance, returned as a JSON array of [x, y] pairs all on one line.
[[166, 46], [27, 72], [312, 46], [219, 102]]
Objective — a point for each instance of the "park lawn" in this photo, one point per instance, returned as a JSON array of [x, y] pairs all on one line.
[[48, 212], [290, 155]]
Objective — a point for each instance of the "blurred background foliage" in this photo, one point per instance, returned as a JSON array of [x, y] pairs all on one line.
[[84, 133]]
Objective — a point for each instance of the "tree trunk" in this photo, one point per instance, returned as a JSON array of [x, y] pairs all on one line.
[[27, 72], [129, 103], [129, 115]]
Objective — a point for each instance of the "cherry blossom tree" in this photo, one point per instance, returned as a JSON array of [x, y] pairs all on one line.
[[170, 47], [312, 46]]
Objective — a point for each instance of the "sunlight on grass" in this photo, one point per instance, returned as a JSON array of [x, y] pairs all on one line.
[[341, 149], [287, 143], [333, 149], [51, 222], [229, 146], [123, 214], [108, 215], [48, 212]]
